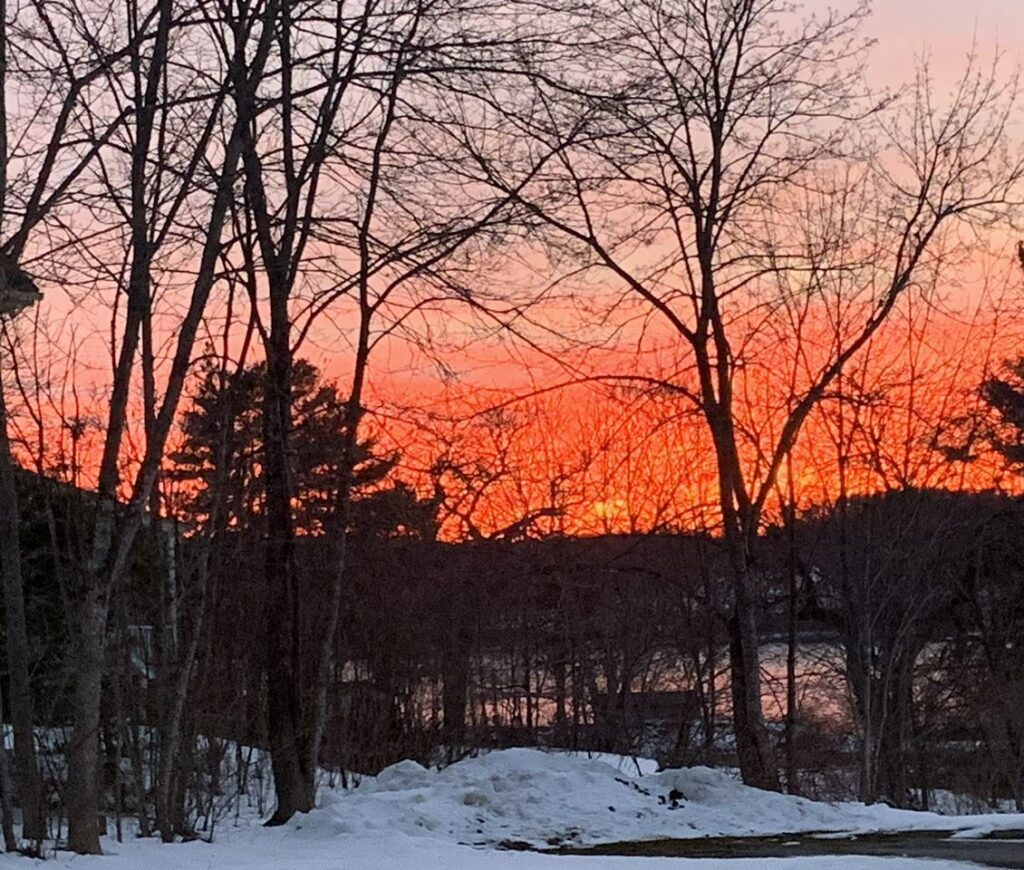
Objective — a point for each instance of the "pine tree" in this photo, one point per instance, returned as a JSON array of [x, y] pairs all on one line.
[[317, 445], [1005, 396]]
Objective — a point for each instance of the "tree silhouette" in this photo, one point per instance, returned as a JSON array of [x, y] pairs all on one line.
[[317, 447], [1005, 396]]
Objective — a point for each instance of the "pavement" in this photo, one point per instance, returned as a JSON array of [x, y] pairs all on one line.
[[1004, 850]]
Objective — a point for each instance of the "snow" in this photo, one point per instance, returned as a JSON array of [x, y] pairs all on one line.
[[458, 818], [279, 851], [546, 799], [950, 803]]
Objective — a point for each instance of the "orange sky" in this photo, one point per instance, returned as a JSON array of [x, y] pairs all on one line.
[[624, 461], [631, 462]]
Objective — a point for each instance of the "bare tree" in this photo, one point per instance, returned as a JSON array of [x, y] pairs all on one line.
[[40, 162], [722, 169], [159, 192], [354, 212]]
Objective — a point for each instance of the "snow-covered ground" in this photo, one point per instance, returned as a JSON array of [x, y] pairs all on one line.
[[468, 816], [271, 850]]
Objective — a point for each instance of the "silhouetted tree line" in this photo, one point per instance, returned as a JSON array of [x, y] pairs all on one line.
[[615, 643]]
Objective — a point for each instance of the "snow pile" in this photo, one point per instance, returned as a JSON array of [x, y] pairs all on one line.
[[524, 797], [718, 805], [515, 796], [411, 818]]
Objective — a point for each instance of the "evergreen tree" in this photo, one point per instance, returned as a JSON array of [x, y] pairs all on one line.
[[234, 402], [1005, 396]]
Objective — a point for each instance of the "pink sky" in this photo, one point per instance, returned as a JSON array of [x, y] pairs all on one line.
[[945, 28]]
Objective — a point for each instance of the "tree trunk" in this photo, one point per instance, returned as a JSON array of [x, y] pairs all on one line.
[[792, 783], [133, 738], [6, 807], [864, 679], [740, 521], [757, 765], [83, 799], [174, 717], [30, 787], [10, 565], [752, 746], [709, 707], [792, 616], [293, 782]]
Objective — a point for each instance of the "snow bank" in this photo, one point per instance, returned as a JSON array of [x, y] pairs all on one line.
[[520, 797], [411, 818]]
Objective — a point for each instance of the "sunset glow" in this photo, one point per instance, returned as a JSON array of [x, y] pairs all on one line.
[[417, 414]]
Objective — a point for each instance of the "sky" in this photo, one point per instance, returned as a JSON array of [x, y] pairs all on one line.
[[905, 30], [943, 28]]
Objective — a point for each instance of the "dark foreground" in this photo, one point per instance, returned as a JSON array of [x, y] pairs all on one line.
[[1004, 850]]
